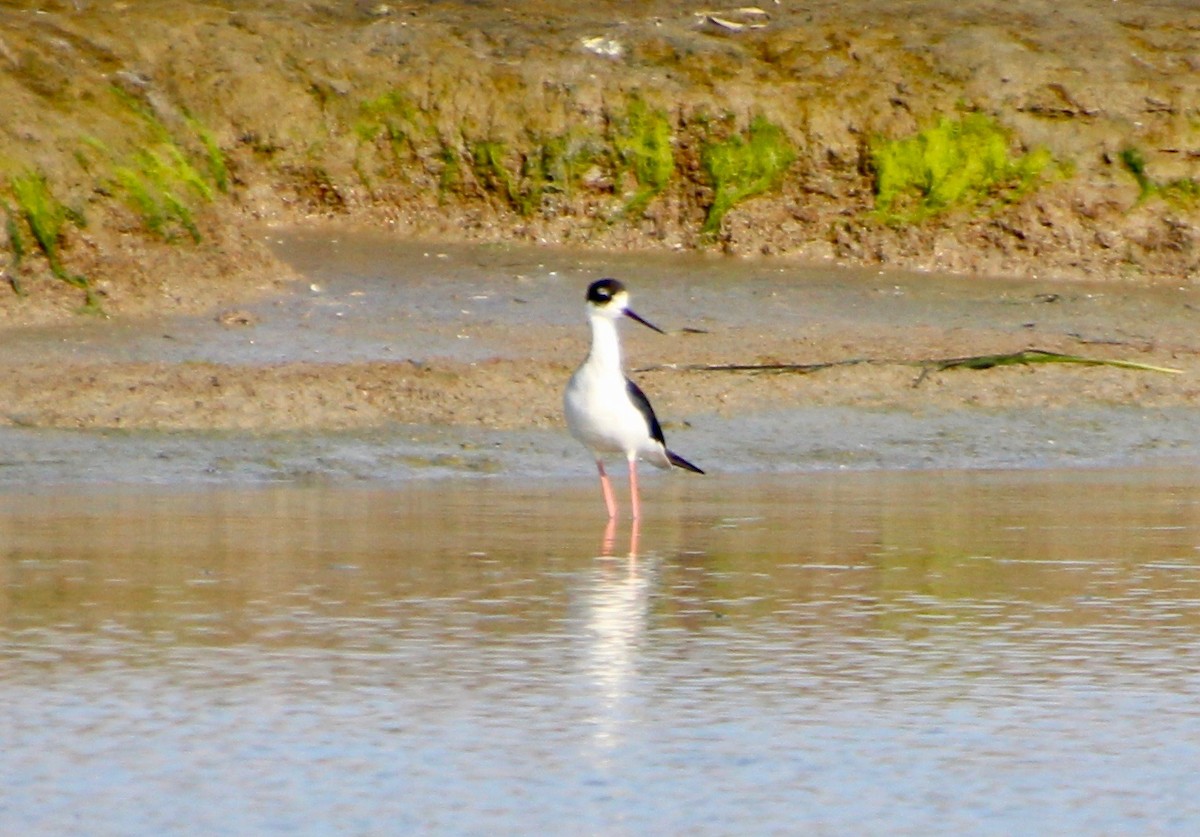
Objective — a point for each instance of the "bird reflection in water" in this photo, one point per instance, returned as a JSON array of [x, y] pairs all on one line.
[[616, 611], [610, 538]]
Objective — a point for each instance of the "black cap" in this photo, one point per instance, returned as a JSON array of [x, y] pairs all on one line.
[[603, 290]]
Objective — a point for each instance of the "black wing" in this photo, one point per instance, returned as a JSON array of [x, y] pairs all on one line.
[[679, 462], [642, 403]]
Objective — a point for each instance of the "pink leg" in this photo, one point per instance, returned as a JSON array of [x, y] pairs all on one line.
[[610, 536], [609, 501], [634, 499]]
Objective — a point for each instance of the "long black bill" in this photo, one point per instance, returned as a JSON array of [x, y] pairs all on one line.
[[646, 323]]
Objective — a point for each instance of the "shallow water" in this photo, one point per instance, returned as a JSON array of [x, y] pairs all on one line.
[[872, 653], [955, 622]]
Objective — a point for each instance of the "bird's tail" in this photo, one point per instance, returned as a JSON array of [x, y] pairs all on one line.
[[679, 462]]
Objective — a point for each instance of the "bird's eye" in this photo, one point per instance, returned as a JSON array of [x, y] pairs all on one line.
[[603, 291]]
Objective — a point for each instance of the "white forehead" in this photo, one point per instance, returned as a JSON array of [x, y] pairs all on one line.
[[618, 300]]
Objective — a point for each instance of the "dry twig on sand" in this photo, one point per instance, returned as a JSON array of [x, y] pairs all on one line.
[[927, 365]]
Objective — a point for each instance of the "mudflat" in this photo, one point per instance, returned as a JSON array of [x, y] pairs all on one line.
[[392, 332], [160, 138]]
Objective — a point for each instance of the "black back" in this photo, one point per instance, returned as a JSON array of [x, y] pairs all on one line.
[[642, 403]]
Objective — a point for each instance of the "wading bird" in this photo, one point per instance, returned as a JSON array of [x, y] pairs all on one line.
[[605, 410]]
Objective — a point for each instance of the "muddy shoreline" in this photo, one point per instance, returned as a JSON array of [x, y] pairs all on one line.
[[366, 344], [163, 140], [154, 135]]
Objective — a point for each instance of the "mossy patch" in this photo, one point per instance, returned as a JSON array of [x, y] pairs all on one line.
[[46, 218], [560, 162], [491, 170], [383, 115], [450, 177], [151, 185], [522, 177], [1182, 192], [957, 163], [742, 166], [214, 158], [391, 119], [161, 181], [641, 141], [397, 139]]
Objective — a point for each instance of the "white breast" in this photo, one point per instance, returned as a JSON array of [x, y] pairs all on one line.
[[597, 406], [601, 416]]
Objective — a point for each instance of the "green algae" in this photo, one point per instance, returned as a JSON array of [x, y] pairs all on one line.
[[160, 181], [381, 116], [1181, 192], [562, 160], [642, 145], [218, 169], [523, 176], [394, 118], [450, 176], [956, 163], [742, 166], [488, 164], [155, 183], [46, 218]]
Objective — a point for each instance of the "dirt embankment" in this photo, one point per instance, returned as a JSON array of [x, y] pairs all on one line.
[[140, 138], [140, 142]]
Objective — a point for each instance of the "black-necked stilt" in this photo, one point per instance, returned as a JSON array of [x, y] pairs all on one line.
[[606, 411]]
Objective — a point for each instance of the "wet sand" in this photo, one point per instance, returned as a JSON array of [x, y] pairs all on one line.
[[395, 359]]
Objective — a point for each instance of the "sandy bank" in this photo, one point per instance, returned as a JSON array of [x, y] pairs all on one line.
[[159, 130]]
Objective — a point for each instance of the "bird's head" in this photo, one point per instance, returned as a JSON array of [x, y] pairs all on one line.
[[608, 298]]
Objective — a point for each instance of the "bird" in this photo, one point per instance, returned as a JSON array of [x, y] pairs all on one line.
[[604, 409]]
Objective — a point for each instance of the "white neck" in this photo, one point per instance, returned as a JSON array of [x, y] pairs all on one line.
[[606, 345]]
